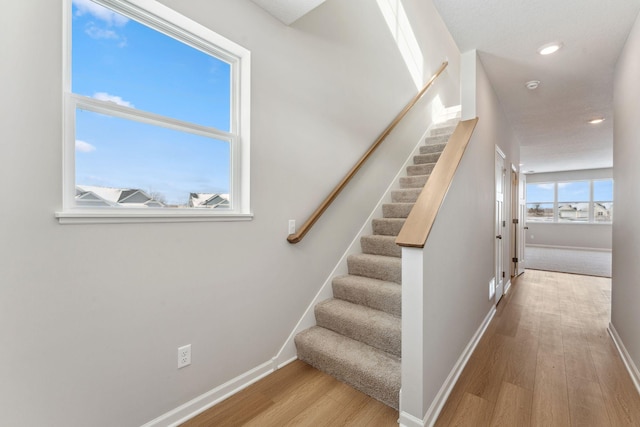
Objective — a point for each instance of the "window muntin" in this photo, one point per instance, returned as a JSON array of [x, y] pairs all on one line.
[[196, 123], [585, 201]]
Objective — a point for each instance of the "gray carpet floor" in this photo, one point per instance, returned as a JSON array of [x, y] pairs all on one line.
[[577, 261]]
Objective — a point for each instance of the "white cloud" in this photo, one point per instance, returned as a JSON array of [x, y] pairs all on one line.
[[99, 12], [104, 96], [96, 32], [545, 186], [84, 147]]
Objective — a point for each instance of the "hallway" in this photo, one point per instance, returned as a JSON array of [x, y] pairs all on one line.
[[546, 359]]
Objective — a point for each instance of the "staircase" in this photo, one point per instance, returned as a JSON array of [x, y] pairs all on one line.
[[357, 337]]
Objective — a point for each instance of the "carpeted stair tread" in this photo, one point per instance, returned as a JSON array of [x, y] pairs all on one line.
[[363, 367], [433, 148], [420, 159], [368, 325], [396, 210], [387, 226], [376, 266], [374, 293], [405, 195], [434, 140], [423, 169], [377, 244], [417, 181]]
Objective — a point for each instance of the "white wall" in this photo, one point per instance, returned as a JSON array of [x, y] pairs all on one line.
[[458, 258], [625, 294], [595, 236], [91, 315]]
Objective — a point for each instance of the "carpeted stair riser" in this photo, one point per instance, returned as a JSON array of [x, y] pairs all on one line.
[[444, 130], [420, 159], [387, 226], [424, 169], [436, 148], [380, 245], [373, 327], [374, 293], [371, 371], [396, 210], [417, 181], [376, 266], [405, 195]]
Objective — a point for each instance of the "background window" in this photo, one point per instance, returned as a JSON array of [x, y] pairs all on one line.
[[603, 200], [573, 201], [540, 199]]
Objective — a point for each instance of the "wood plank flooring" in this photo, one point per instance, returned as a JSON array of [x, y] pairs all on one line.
[[546, 359]]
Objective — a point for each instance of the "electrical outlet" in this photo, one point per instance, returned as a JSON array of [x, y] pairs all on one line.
[[184, 356], [292, 226]]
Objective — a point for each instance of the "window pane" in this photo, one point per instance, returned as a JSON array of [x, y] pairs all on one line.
[[540, 212], [540, 192], [603, 211], [573, 212], [120, 60], [115, 157], [603, 190], [577, 191]]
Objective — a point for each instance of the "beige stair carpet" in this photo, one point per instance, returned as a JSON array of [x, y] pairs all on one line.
[[357, 338]]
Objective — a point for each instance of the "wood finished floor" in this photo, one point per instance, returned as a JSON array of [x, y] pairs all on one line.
[[546, 359]]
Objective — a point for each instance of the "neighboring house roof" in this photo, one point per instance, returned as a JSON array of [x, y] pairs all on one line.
[[89, 195], [208, 200]]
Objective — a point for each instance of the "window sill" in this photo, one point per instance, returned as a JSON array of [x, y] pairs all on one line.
[[126, 216]]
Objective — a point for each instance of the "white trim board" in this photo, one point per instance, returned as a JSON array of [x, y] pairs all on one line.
[[408, 420], [212, 397], [573, 248], [626, 358]]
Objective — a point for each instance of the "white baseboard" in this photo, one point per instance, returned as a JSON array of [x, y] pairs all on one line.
[[408, 420], [507, 287], [205, 401], [573, 248], [626, 358]]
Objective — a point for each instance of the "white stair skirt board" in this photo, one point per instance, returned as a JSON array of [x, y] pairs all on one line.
[[586, 261], [408, 420], [206, 400], [626, 358]]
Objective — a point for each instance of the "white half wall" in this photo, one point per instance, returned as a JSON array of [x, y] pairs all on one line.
[[625, 287], [457, 262]]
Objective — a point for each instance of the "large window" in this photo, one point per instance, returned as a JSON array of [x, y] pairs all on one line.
[[586, 201], [156, 116]]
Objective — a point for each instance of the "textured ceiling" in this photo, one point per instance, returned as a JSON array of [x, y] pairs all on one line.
[[576, 82]]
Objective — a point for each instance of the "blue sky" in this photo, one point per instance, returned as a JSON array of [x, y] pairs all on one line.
[[118, 60]]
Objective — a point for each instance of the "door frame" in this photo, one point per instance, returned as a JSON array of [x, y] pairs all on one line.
[[499, 224]]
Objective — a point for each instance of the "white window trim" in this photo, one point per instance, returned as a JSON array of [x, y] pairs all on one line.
[[170, 22], [556, 204]]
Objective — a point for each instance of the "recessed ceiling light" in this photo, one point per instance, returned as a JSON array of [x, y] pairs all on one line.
[[596, 120], [549, 48], [533, 84]]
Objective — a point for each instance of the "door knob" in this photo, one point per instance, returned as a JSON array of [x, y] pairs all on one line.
[[499, 236]]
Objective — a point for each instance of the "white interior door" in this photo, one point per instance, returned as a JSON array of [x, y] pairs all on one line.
[[499, 225], [522, 222]]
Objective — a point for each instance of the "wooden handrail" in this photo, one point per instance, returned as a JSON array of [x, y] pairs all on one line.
[[304, 229], [418, 225]]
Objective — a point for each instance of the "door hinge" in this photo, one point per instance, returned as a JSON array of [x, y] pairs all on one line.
[[503, 276], [514, 259], [504, 223], [515, 220]]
